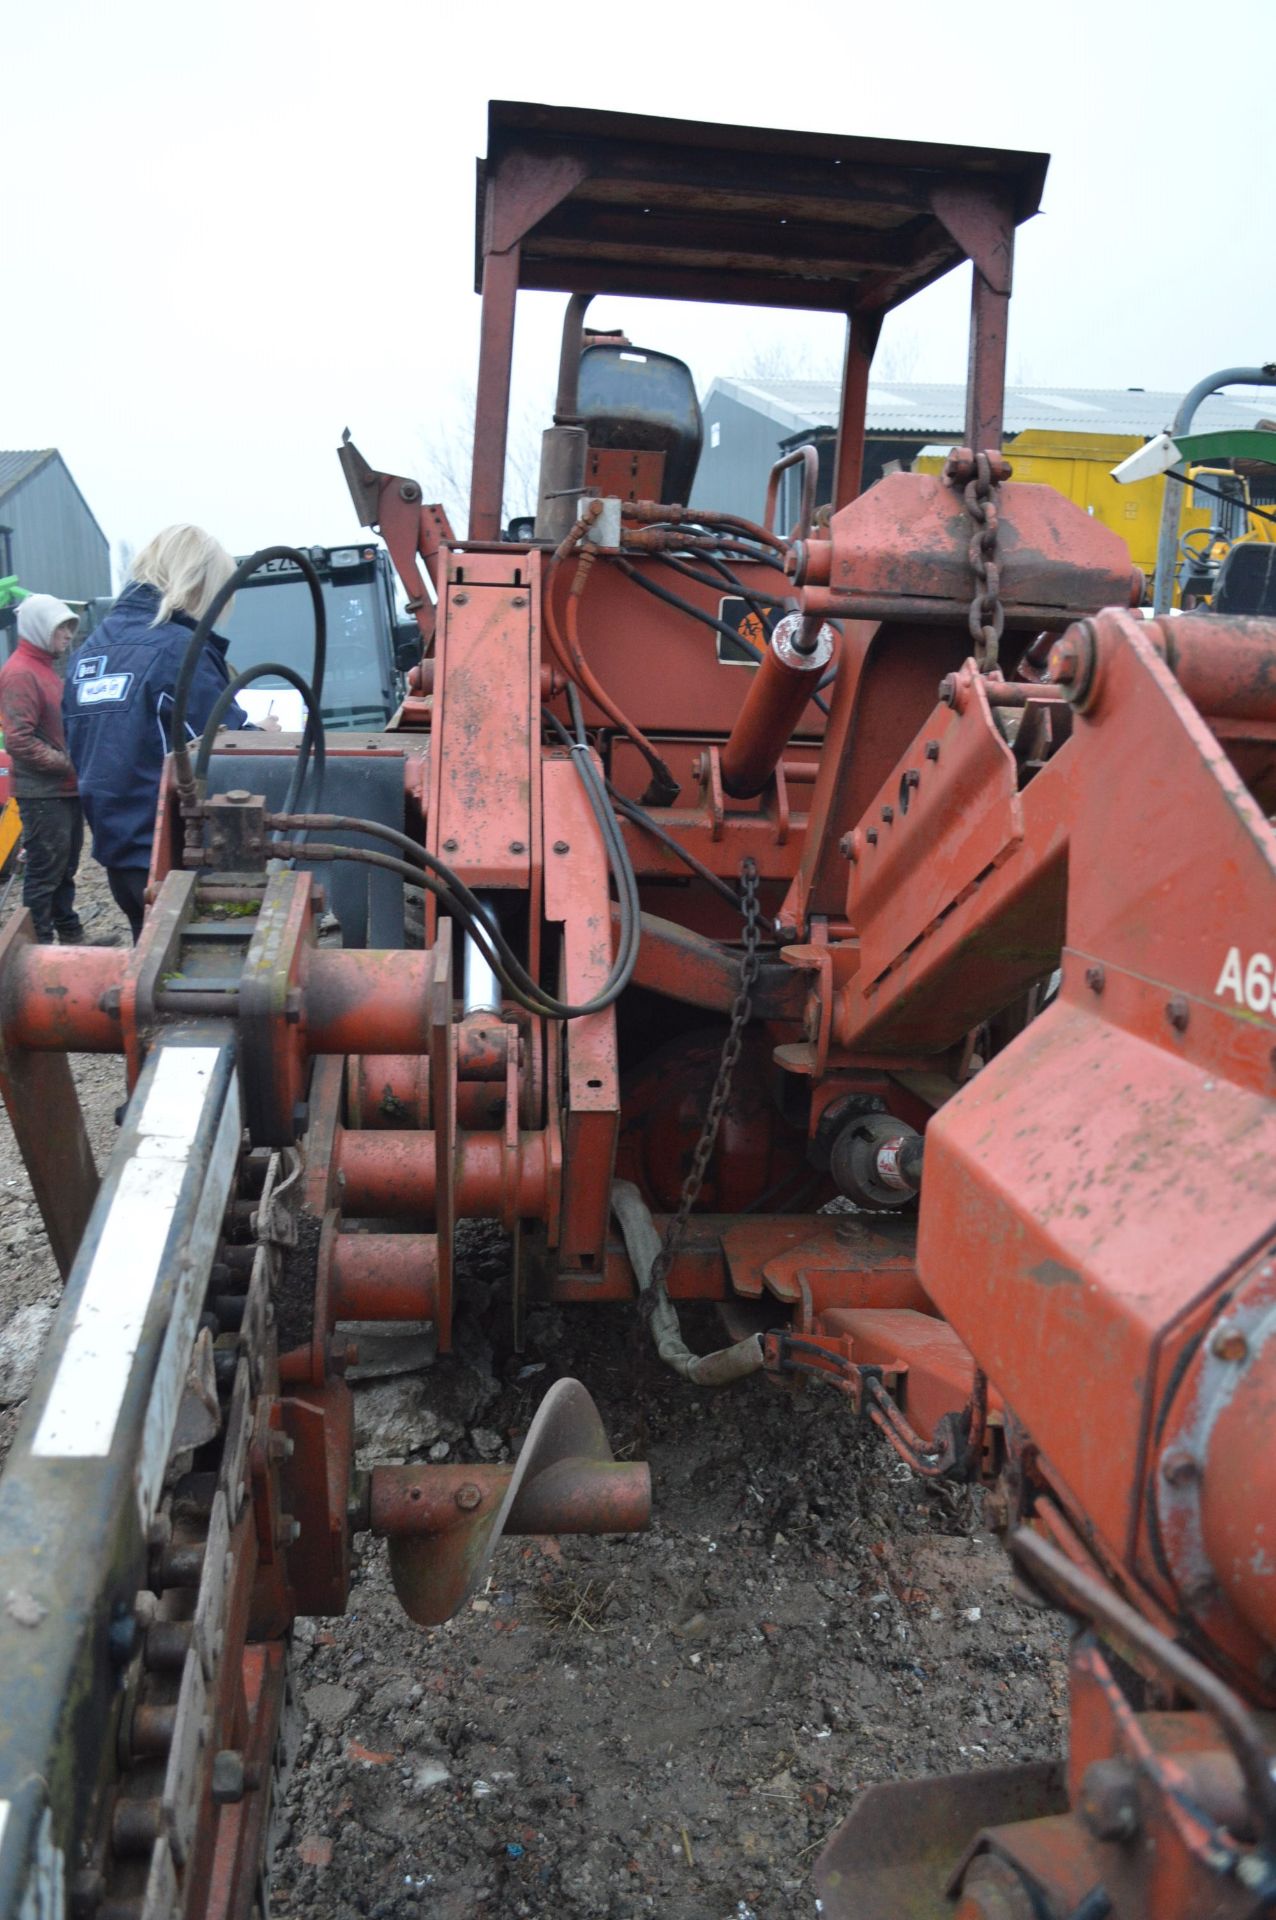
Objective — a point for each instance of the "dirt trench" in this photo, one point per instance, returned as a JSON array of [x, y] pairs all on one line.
[[669, 1724]]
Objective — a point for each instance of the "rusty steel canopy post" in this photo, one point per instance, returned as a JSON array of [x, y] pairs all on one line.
[[981, 219], [986, 368], [491, 419], [516, 191], [863, 330]]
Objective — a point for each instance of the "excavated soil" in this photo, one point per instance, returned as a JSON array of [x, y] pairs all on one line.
[[668, 1724]]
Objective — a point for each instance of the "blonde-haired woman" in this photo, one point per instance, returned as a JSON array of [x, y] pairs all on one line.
[[119, 699]]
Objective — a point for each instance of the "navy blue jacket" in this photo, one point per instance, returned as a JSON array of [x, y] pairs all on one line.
[[117, 709]]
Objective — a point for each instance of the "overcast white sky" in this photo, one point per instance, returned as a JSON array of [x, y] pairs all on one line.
[[233, 228]]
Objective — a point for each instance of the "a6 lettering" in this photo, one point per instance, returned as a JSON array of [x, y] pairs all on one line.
[[1249, 982]]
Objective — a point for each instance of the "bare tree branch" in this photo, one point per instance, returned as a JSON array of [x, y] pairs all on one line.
[[447, 451]]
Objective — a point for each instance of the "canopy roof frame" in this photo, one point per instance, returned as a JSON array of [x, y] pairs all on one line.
[[578, 201]]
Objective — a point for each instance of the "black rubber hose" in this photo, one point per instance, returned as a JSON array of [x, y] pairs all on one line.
[[672, 599], [747, 594], [698, 613], [446, 885], [613, 839], [641, 818], [204, 627], [479, 930], [751, 599], [426, 870], [222, 707]]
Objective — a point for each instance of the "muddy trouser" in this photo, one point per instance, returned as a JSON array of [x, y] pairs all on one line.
[[128, 890], [53, 834]]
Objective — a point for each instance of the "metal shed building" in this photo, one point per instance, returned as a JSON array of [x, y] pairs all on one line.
[[749, 423], [48, 535]]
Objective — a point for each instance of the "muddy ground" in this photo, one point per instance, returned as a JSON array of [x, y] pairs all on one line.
[[669, 1724]]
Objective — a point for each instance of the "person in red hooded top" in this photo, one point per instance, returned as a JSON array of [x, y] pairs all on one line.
[[43, 778]]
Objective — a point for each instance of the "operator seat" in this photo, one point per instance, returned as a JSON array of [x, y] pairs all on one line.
[[1246, 580], [632, 401]]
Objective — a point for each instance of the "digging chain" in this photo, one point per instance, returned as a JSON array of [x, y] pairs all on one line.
[[980, 475], [741, 1012]]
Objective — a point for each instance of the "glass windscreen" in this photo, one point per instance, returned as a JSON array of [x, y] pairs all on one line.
[[275, 622]]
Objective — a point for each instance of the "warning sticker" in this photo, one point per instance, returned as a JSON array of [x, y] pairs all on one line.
[[737, 613]]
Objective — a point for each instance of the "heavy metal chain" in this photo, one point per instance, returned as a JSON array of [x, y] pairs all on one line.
[[981, 474], [741, 1012]]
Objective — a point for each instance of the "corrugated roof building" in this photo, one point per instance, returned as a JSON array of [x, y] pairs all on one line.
[[48, 534], [749, 423]]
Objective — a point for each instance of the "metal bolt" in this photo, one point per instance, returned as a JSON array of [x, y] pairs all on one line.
[[468, 1497], [217, 842], [1064, 662], [1177, 1012], [1095, 979], [932, 749], [287, 1530], [1229, 1343], [228, 1777], [888, 814], [871, 836], [562, 846], [280, 1446], [518, 601], [1178, 1466], [1072, 662], [461, 599], [1109, 1800], [948, 690], [516, 846], [409, 490], [450, 846], [848, 846]]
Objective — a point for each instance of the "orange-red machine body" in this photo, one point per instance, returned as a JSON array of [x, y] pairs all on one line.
[[1014, 997]]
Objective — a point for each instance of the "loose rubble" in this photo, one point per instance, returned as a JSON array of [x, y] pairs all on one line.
[[670, 1724]]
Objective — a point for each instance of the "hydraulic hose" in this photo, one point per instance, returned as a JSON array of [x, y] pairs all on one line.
[[509, 970], [424, 869], [314, 720], [768, 621], [203, 629], [752, 599], [651, 514], [642, 1244], [708, 619], [663, 790], [641, 818]]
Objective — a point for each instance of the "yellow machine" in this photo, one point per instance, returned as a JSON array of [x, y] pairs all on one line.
[[1079, 466], [10, 833], [10, 818]]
